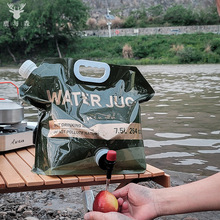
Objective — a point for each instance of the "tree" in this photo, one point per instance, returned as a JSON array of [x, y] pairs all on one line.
[[155, 10], [8, 31], [178, 15], [57, 20], [51, 22], [208, 16]]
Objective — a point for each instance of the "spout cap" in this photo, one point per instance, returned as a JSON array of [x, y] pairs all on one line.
[[111, 155], [99, 154], [27, 68]]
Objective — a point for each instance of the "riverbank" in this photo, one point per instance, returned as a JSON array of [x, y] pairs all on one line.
[[66, 204], [164, 68], [198, 48]]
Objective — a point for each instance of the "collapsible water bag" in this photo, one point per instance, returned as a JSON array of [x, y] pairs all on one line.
[[81, 114]]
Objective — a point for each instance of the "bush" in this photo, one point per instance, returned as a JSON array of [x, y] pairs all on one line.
[[207, 16], [137, 18], [176, 48], [141, 51], [215, 45], [129, 22], [189, 55], [175, 15], [127, 51], [155, 11], [91, 23], [102, 23], [117, 22], [210, 58], [178, 15]]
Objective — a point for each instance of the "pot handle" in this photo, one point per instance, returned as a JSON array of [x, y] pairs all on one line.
[[7, 82], [89, 63]]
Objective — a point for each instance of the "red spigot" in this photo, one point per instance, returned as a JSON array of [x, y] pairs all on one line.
[[110, 162], [111, 155]]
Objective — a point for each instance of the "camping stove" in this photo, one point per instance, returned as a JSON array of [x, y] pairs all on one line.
[[14, 133]]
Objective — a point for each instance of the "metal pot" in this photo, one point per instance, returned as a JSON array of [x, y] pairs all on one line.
[[10, 112]]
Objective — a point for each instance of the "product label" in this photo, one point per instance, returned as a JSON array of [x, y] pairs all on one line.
[[93, 100], [109, 131]]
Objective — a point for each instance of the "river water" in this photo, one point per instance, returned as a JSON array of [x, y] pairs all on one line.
[[181, 123]]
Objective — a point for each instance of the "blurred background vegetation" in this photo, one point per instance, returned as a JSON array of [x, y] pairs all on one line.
[[158, 16], [151, 49], [48, 28]]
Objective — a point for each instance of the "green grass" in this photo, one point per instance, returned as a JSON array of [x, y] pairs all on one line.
[[149, 49]]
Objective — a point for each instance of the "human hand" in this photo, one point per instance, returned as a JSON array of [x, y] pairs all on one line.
[[141, 203], [136, 202]]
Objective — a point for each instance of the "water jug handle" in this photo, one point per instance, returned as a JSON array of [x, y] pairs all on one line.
[[89, 63]]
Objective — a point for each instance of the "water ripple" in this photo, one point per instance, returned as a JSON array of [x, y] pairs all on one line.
[[190, 162], [172, 135], [169, 154], [194, 142]]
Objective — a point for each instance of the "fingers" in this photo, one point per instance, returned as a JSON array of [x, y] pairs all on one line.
[[94, 216], [122, 192], [125, 208], [120, 201], [105, 216]]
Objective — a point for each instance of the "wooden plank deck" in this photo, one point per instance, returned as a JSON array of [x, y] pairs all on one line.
[[16, 175]]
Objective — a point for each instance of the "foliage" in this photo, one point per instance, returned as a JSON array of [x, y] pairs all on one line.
[[189, 55], [175, 15], [53, 30], [102, 23], [176, 48], [129, 22], [208, 16], [54, 27], [54, 22], [91, 23], [179, 15], [215, 45], [117, 22], [155, 10], [153, 49], [127, 51], [137, 18]]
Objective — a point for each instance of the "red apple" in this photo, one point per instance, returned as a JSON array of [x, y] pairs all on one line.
[[105, 202]]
